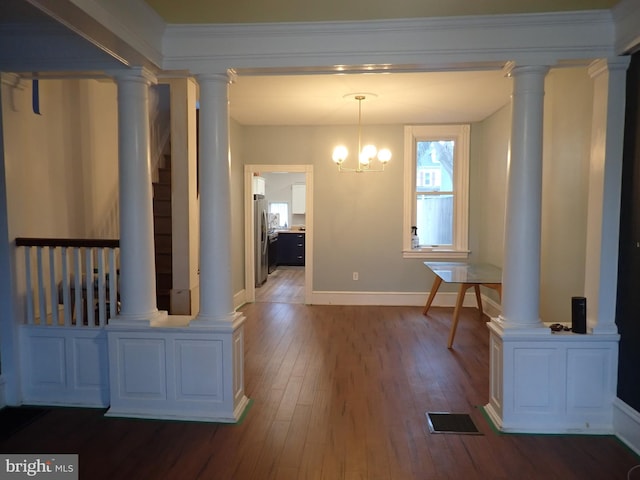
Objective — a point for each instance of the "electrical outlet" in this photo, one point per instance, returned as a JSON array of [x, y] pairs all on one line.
[[355, 275]]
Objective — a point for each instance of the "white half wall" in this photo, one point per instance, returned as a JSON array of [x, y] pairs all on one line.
[[552, 383], [180, 373], [64, 366]]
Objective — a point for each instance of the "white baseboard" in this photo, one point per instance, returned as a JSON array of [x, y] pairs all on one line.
[[626, 424], [239, 299], [369, 298], [410, 299], [395, 299]]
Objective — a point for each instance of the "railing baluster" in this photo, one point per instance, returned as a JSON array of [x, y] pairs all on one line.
[[77, 279], [102, 310], [72, 287], [42, 298], [113, 289], [89, 287], [53, 291], [66, 297], [29, 282]]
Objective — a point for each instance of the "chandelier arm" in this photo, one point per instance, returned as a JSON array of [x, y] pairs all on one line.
[[360, 167]]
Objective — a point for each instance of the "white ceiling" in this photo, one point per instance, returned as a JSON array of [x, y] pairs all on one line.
[[394, 98]]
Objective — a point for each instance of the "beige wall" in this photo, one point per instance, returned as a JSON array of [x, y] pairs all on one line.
[[62, 166], [488, 171], [568, 107]]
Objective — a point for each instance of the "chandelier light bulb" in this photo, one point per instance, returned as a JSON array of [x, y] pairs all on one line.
[[340, 154], [369, 151], [384, 155]]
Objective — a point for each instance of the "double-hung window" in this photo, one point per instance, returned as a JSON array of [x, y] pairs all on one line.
[[280, 210], [436, 184]]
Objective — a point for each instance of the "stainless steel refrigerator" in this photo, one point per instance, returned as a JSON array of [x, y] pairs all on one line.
[[261, 243]]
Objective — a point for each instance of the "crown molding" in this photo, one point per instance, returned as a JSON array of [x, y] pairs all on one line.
[[424, 43]]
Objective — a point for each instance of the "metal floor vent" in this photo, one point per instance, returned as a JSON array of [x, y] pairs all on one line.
[[445, 422]]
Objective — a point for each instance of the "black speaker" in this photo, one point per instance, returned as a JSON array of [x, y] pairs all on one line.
[[578, 314]]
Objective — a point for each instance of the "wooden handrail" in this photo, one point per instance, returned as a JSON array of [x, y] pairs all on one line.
[[68, 242]]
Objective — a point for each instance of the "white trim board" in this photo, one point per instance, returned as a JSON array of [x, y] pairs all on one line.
[[410, 299], [626, 424], [239, 299], [437, 43]]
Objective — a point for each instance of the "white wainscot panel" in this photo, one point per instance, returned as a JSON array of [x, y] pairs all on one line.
[[89, 361], [534, 379], [64, 366], [142, 368], [587, 378], [47, 362], [552, 383], [199, 367]]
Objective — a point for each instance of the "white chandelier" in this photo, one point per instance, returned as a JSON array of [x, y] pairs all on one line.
[[366, 153]]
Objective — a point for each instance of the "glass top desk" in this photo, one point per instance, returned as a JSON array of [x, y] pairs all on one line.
[[467, 275]]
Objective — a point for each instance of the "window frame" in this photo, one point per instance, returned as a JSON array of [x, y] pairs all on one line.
[[460, 134]]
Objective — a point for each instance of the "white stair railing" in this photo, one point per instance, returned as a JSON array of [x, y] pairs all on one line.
[[77, 287]]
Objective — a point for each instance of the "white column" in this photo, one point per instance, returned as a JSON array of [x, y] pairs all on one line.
[[137, 263], [216, 296], [605, 182], [521, 267]]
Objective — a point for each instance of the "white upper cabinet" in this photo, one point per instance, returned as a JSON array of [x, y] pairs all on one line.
[[258, 185], [298, 199]]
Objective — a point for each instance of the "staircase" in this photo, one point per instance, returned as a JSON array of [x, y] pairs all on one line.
[[162, 235]]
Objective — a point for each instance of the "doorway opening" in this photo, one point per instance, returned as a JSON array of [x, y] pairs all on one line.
[[288, 192]]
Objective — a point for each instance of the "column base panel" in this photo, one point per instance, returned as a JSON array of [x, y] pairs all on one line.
[[560, 383], [177, 372]]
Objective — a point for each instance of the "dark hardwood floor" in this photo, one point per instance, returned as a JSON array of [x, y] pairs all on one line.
[[338, 392]]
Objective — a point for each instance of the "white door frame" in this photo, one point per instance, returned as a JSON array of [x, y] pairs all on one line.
[[249, 260]]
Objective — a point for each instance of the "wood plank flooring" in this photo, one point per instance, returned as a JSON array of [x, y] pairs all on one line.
[[285, 285], [339, 392]]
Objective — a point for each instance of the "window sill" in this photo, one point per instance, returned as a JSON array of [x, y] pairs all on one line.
[[435, 253]]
